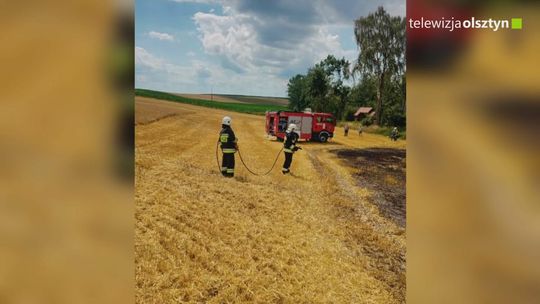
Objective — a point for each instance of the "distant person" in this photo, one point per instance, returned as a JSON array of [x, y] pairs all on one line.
[[229, 146], [394, 135], [346, 128], [360, 130], [289, 147]]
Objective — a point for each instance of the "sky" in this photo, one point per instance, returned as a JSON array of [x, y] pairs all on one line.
[[246, 47]]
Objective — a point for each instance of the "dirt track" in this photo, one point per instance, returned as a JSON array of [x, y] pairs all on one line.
[[315, 237]]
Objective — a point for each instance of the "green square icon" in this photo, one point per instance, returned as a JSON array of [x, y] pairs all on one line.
[[517, 23]]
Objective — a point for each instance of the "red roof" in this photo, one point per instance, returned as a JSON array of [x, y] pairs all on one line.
[[363, 110]]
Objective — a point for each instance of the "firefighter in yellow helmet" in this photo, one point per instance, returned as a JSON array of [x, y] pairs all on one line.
[[289, 147], [229, 146]]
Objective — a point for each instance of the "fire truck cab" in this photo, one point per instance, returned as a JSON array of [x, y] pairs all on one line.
[[311, 126]]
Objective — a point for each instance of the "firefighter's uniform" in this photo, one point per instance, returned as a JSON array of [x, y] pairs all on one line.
[[289, 147], [395, 134], [228, 147]]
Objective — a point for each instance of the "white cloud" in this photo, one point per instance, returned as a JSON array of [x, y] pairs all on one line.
[[252, 65], [196, 1], [155, 72], [255, 46], [144, 59], [200, 77], [235, 39], [161, 36], [201, 70], [227, 36]]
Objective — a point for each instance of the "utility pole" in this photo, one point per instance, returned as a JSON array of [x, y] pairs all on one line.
[[211, 93]]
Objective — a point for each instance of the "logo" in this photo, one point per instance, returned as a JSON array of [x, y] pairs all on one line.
[[473, 23]]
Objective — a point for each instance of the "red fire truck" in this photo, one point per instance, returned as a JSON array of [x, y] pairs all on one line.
[[311, 126]]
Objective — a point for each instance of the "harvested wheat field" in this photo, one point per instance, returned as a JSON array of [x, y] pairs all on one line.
[[213, 97], [239, 99], [322, 235]]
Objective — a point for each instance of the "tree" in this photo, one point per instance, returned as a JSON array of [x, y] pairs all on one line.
[[364, 94], [394, 112], [317, 85], [338, 70], [297, 92], [381, 40]]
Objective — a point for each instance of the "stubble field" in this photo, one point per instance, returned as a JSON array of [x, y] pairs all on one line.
[[318, 236]]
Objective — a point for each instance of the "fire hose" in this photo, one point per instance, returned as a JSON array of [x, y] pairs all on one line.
[[242, 160]]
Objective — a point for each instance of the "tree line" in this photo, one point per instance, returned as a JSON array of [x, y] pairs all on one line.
[[376, 79]]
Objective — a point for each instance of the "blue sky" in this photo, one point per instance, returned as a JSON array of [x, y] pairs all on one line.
[[244, 47]]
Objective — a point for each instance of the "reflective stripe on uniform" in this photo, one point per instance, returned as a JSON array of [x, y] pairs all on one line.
[[224, 138], [230, 170], [287, 150], [285, 170], [223, 169], [228, 151]]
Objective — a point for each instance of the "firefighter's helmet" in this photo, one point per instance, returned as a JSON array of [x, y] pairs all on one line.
[[226, 121], [291, 128]]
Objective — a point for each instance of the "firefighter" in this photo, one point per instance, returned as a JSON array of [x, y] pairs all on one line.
[[346, 129], [229, 146], [289, 147], [395, 134]]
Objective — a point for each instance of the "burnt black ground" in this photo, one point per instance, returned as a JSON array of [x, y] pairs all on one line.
[[382, 172]]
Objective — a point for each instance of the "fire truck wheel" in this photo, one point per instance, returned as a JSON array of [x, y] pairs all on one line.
[[323, 137]]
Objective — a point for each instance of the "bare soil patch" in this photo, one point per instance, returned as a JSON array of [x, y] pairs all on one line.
[[382, 172]]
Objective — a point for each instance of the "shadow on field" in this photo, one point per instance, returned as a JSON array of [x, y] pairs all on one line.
[[382, 172]]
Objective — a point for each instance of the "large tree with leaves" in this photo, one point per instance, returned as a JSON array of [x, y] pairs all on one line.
[[318, 88], [338, 70], [298, 93], [381, 40]]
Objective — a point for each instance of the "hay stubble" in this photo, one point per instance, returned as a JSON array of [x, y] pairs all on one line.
[[274, 239]]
